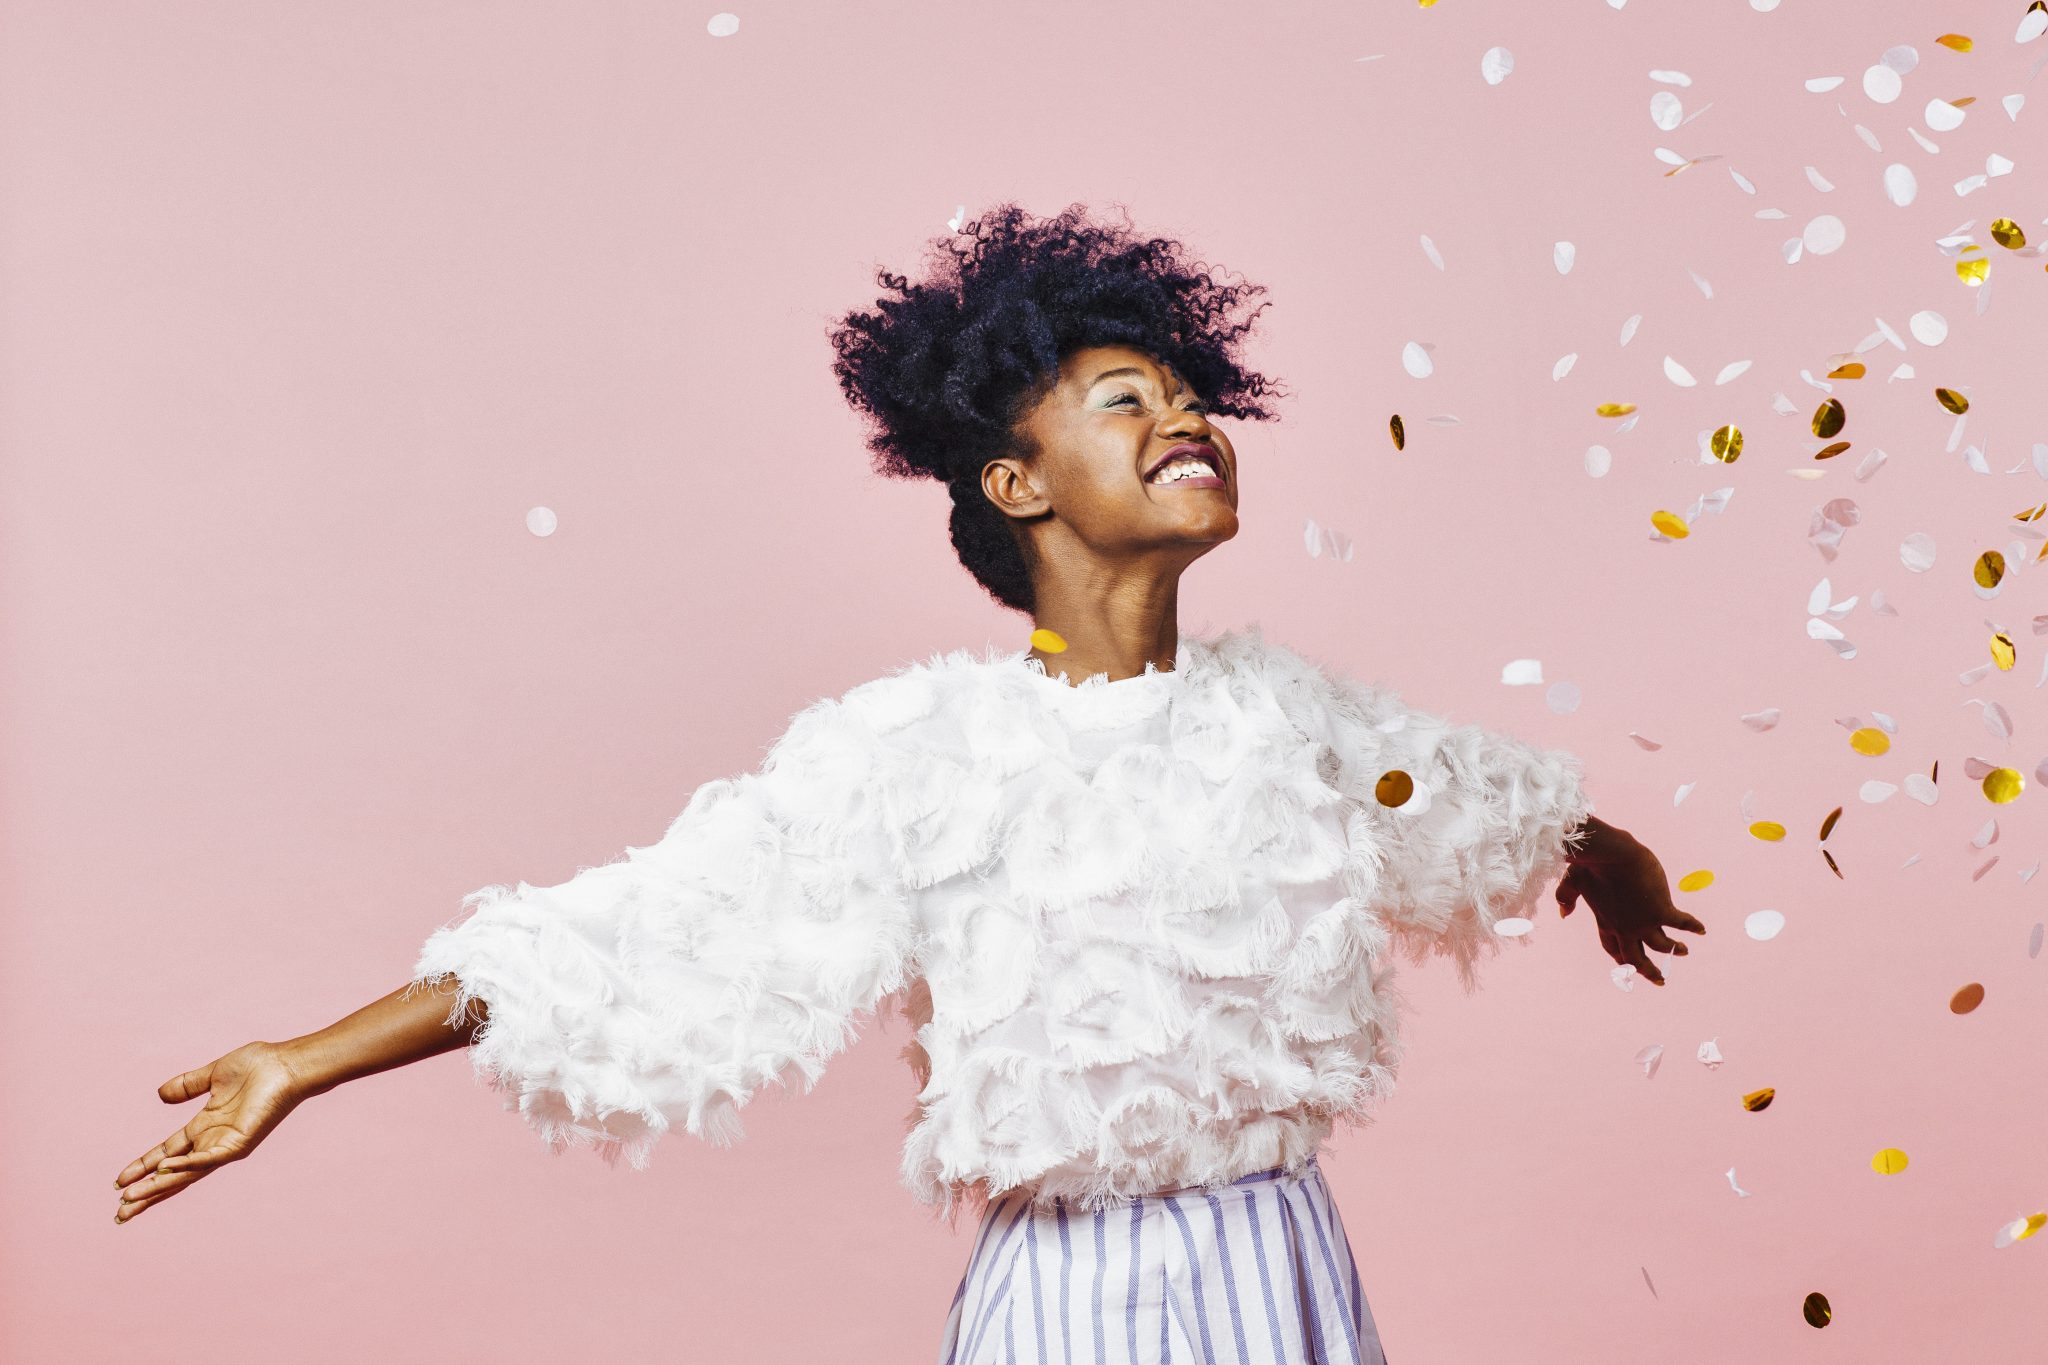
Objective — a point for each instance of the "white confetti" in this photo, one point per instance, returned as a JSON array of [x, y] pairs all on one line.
[[1514, 926], [1598, 461], [723, 25], [1764, 924], [1820, 85], [1731, 370], [2034, 939], [1562, 255], [1921, 788], [1753, 4], [1312, 537], [1678, 374], [1496, 64], [1710, 1052], [1928, 327], [1628, 329], [541, 520], [2032, 25], [1683, 792], [2012, 105], [1647, 1059], [1562, 698], [1942, 116], [1667, 111], [1901, 59], [1899, 184], [959, 217], [1623, 977], [1522, 672], [1823, 234], [1415, 359], [1875, 791], [1740, 180], [1429, 250], [1763, 720], [1564, 365], [1817, 180], [1916, 552], [1882, 84]]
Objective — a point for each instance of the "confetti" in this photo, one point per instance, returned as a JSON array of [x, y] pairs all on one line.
[[1763, 925], [1823, 234], [2019, 1230], [1709, 1054], [1416, 360], [1829, 418], [1647, 1059], [1495, 64], [1967, 999], [1729, 371], [1756, 1101], [1816, 1310], [541, 520], [1916, 552], [1882, 84], [1048, 640], [1395, 429], [1562, 254], [2003, 785], [1677, 373], [1769, 830], [1726, 444], [1429, 250], [1522, 673], [1899, 184], [1670, 525], [1394, 788], [723, 25], [1615, 409], [1598, 461], [1941, 116], [1888, 1161], [1667, 111], [1928, 327], [1697, 880], [1870, 741]]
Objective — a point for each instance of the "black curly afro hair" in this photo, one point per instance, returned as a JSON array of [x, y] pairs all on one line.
[[947, 368]]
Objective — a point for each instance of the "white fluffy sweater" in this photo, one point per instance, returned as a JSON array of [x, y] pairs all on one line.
[[1142, 928]]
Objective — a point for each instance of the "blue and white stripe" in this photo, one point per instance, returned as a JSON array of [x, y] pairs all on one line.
[[1257, 1273]]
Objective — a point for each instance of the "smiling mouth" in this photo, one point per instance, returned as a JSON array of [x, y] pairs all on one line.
[[1195, 467]]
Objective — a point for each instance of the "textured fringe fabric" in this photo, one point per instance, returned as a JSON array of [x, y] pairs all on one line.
[[1257, 1273], [1144, 930]]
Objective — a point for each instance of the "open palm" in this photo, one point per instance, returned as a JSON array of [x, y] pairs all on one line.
[[248, 1093]]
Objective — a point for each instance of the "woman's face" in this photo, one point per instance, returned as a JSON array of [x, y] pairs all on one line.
[[1110, 421]]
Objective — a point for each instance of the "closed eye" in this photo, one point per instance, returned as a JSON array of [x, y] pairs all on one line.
[[1197, 406]]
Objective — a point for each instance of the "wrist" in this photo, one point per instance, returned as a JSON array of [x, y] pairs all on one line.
[[308, 1065]]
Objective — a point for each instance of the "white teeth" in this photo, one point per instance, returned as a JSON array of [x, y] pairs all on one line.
[[1183, 467]]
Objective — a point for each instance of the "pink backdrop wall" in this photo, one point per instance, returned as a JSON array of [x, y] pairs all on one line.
[[305, 306]]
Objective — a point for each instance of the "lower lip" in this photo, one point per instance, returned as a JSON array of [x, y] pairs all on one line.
[[1193, 481]]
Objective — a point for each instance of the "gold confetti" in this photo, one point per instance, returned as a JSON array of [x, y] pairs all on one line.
[[1953, 401], [1870, 740], [1828, 419], [1967, 999], [1852, 370], [1955, 41], [1827, 826], [2002, 652], [1888, 1161], [2003, 785], [2035, 1222], [1989, 570], [1831, 864], [1828, 452], [1768, 829], [1394, 788], [1696, 881], [1615, 409], [1962, 103], [1400, 433], [1756, 1101], [1670, 524], [2032, 513], [2008, 234], [1049, 641], [1817, 1311], [1726, 444], [1973, 269]]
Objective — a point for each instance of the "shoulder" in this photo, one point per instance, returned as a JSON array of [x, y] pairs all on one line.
[[1299, 682]]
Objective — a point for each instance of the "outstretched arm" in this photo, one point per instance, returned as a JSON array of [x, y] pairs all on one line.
[[1625, 887]]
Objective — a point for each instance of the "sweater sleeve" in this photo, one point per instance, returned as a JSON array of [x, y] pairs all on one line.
[[670, 984], [1489, 826]]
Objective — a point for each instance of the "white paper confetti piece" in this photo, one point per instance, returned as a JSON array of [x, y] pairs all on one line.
[[1496, 64], [1706, 289], [1875, 791], [723, 25], [1741, 181], [1942, 117], [1648, 1058], [1513, 926], [2034, 938], [1623, 977], [1817, 180], [1763, 720], [1916, 552], [1753, 4], [1598, 461], [1671, 77], [1562, 698], [1644, 742], [1416, 360], [1882, 84], [541, 520], [1901, 59], [1667, 111], [1763, 925], [1429, 250], [2012, 105], [1683, 792], [1731, 370], [2032, 25], [1677, 373], [1823, 234], [1628, 328], [1564, 365], [1562, 255], [1312, 538], [1899, 184], [1921, 788], [1820, 85], [1710, 1052], [1928, 327], [1522, 672]]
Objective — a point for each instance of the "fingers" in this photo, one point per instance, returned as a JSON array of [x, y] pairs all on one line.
[[189, 1086], [1567, 894], [177, 1144], [153, 1190], [1685, 921], [1643, 964], [200, 1162], [1664, 943]]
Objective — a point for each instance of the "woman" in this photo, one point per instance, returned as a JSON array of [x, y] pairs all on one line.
[[1137, 891]]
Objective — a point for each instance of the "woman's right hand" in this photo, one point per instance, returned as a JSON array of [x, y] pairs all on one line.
[[248, 1093]]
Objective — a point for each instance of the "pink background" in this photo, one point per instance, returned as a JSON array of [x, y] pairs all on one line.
[[306, 305]]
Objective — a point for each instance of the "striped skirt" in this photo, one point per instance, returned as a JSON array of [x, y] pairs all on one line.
[[1256, 1273]]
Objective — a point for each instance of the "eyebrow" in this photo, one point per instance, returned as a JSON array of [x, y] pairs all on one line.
[[1122, 369]]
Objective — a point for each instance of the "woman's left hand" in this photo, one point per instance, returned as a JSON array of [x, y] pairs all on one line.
[[1625, 887]]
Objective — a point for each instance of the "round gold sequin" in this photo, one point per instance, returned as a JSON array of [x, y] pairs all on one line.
[[1831, 865], [1967, 999], [1989, 570], [1400, 433], [1955, 41], [1726, 444], [1888, 1161], [1615, 409], [1768, 829], [1670, 523], [1817, 1311], [1852, 370], [2002, 652], [1696, 881], [1394, 788], [1827, 826], [2002, 785], [1953, 401], [1870, 740], [1828, 452], [1049, 641], [1828, 418], [2008, 234], [1756, 1101], [1973, 269]]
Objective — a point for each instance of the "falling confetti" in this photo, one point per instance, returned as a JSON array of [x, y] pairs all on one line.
[[1562, 255], [1756, 1101], [1888, 1161], [1967, 999], [541, 520], [1049, 641], [1696, 881], [1416, 360], [1816, 1310], [723, 25], [1763, 925], [1495, 65]]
